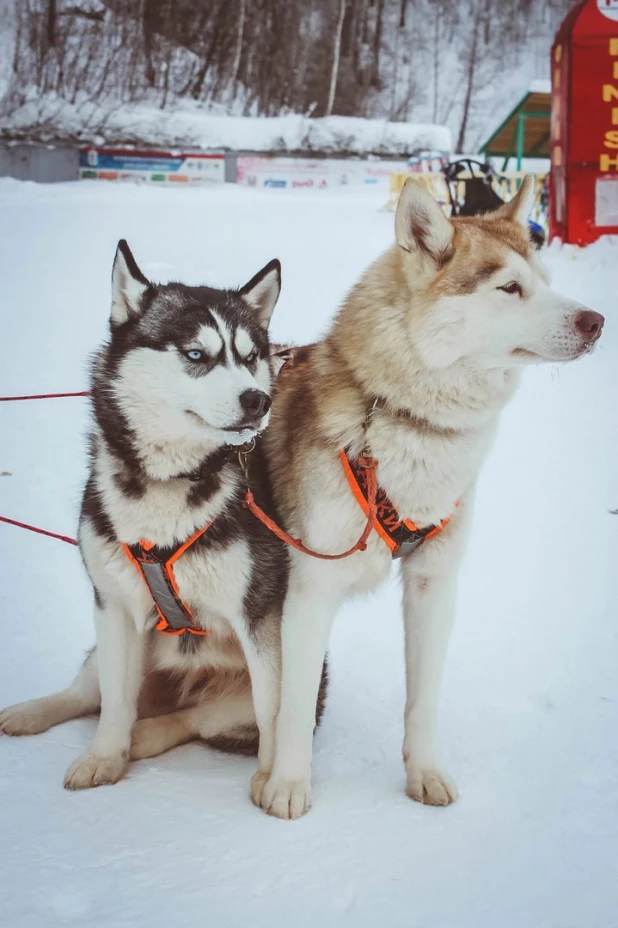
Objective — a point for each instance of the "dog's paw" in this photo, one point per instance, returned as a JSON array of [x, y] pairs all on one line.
[[287, 799], [258, 782], [25, 718], [91, 770], [431, 787]]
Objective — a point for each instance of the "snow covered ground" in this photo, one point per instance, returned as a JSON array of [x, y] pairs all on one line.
[[530, 704]]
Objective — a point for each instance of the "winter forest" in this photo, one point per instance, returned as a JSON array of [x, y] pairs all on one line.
[[462, 63]]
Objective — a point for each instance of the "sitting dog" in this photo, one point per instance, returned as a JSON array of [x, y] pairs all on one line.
[[386, 423], [188, 586]]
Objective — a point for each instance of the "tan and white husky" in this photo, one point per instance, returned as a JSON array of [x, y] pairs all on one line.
[[421, 359]]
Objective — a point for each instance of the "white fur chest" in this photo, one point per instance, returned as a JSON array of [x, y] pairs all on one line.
[[425, 472], [161, 514], [213, 581]]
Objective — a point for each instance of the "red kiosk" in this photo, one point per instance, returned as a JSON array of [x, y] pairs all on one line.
[[584, 124]]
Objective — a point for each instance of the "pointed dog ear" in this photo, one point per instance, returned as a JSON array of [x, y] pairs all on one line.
[[262, 291], [518, 209], [128, 285], [420, 224]]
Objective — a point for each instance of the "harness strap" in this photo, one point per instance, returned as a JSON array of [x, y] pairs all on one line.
[[368, 465], [157, 572], [401, 535]]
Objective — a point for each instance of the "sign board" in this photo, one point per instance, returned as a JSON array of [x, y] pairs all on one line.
[[158, 167], [313, 173], [584, 124]]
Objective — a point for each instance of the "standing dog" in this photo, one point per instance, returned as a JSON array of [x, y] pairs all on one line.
[[423, 356], [183, 383]]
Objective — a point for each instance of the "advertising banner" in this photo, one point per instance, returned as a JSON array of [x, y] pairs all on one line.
[[158, 167], [313, 173]]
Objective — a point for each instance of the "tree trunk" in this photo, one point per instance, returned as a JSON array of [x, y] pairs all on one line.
[[472, 63], [336, 56], [147, 33], [239, 40], [377, 45], [51, 24], [436, 61]]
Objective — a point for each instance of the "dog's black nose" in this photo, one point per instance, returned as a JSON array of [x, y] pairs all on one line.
[[589, 324], [255, 403]]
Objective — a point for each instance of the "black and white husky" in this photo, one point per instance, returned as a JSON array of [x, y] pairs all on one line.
[[183, 383]]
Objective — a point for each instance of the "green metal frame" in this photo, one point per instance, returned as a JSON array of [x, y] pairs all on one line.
[[517, 144]]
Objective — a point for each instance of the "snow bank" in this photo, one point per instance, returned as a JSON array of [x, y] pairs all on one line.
[[187, 124]]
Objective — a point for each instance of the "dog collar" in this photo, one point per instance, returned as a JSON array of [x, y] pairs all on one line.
[[215, 461], [401, 535], [380, 404]]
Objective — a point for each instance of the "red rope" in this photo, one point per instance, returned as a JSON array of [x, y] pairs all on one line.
[[40, 531], [369, 464], [42, 396]]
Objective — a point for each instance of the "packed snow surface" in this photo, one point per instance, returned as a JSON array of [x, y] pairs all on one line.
[[529, 712]]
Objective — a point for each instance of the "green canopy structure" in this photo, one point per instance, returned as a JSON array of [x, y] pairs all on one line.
[[525, 133]]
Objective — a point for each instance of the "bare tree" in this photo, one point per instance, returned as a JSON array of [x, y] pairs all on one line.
[[239, 40], [418, 60], [377, 45], [51, 23], [471, 67], [334, 74]]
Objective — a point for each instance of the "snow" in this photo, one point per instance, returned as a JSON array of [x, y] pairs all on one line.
[[188, 124], [541, 86], [530, 702]]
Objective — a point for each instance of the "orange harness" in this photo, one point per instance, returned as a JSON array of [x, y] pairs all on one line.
[[156, 565], [401, 535]]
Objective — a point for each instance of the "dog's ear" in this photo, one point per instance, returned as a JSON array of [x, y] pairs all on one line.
[[262, 291], [420, 224], [518, 209], [128, 285]]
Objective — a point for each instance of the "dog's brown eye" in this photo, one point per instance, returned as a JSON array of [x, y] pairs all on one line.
[[512, 287]]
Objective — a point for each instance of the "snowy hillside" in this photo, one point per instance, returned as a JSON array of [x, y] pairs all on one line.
[[126, 72], [530, 705]]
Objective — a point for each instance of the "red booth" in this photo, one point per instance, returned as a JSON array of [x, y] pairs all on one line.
[[584, 124]]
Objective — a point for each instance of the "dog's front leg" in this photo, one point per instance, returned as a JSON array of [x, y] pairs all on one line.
[[430, 589], [307, 617], [262, 648], [119, 651]]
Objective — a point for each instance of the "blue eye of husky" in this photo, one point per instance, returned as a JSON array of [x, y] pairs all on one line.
[[251, 357], [194, 355]]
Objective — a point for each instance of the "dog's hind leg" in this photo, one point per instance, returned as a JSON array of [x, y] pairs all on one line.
[[226, 722], [82, 697]]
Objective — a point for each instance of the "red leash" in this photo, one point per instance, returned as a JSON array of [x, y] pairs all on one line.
[[32, 528], [42, 396], [40, 531]]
